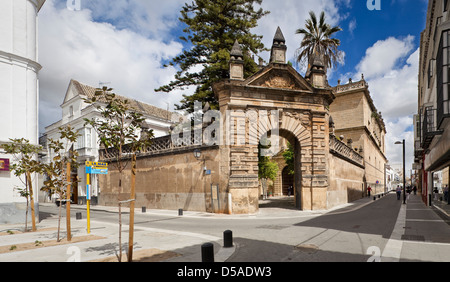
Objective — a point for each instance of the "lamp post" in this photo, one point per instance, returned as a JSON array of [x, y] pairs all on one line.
[[404, 179], [197, 154]]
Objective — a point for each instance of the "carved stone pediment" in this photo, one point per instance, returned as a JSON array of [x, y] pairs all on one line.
[[279, 77], [280, 82]]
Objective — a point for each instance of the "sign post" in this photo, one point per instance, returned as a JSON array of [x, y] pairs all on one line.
[[92, 168]]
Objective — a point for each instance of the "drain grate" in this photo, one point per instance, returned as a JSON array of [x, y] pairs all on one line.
[[413, 238]]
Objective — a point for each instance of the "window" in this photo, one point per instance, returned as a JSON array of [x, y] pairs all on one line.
[[88, 137], [443, 78]]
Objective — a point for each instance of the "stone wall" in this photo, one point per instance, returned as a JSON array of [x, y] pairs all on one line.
[[346, 182], [170, 181]]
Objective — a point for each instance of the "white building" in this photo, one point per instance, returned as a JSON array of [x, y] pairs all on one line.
[[19, 93], [75, 110]]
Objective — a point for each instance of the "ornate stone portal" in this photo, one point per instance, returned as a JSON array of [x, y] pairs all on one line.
[[276, 101]]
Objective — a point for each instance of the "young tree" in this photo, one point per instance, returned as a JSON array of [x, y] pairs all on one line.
[[267, 169], [212, 28], [121, 128], [288, 156], [57, 171], [25, 164], [317, 40]]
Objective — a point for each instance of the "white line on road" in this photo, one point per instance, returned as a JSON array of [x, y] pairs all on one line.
[[393, 248]]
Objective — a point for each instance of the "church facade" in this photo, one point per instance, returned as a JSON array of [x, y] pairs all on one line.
[[19, 94]]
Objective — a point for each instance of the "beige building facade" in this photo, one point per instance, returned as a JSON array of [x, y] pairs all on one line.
[[358, 123]]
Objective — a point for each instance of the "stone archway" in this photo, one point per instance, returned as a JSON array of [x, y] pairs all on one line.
[[279, 100]]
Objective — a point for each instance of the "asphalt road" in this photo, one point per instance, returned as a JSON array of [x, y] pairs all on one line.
[[338, 236]]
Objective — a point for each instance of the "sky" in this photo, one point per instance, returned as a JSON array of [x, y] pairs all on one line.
[[125, 43]]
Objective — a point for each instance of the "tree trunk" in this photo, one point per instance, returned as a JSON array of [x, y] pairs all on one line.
[[68, 191], [59, 217], [132, 204], [33, 216], [120, 233]]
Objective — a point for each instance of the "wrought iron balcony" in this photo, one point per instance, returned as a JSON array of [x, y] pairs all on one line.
[[429, 127]]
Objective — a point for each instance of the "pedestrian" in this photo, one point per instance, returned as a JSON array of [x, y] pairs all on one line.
[[369, 189], [415, 189], [446, 193], [290, 190], [435, 193], [398, 191]]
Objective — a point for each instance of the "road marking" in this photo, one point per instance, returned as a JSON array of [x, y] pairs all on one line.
[[393, 248]]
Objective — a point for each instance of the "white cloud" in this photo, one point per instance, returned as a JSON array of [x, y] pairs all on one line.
[[291, 15], [383, 56], [391, 69], [73, 45]]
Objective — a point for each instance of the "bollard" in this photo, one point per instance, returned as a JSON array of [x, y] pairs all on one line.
[[374, 198], [78, 215], [180, 212], [208, 252], [228, 239], [379, 196], [144, 209]]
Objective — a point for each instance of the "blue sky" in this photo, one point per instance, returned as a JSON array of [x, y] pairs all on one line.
[[126, 42], [395, 19]]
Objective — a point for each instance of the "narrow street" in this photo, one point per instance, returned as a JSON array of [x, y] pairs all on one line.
[[381, 230]]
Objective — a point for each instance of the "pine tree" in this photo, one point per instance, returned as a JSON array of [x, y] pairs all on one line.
[[212, 28]]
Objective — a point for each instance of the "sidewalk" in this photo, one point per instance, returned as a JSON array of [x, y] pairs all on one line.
[[424, 235], [150, 244]]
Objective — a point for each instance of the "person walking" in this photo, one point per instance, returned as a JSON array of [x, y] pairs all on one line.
[[446, 193], [398, 191], [369, 189]]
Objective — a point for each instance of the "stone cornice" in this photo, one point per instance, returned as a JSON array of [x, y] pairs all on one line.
[[13, 59]]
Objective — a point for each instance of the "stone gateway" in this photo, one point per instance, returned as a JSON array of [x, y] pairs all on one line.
[[276, 103]]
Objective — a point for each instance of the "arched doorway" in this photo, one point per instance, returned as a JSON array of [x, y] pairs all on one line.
[[290, 173], [287, 181]]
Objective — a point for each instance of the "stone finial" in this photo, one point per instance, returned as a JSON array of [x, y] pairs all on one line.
[[236, 62], [278, 54], [236, 51], [279, 37], [317, 72]]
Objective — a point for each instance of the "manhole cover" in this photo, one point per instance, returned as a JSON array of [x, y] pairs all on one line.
[[413, 238], [305, 248]]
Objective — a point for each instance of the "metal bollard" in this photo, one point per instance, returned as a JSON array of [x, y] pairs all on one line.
[[144, 209], [374, 198], [180, 212], [228, 239], [208, 252], [78, 215]]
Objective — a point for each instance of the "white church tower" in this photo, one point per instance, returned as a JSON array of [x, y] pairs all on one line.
[[19, 94]]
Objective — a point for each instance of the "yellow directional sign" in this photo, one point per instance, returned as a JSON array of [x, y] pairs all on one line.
[[97, 165]]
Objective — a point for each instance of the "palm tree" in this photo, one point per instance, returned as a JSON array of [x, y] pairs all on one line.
[[317, 41]]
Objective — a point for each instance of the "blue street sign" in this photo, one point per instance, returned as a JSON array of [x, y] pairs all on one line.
[[95, 170]]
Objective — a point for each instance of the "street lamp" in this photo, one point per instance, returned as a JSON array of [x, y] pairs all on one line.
[[197, 154], [404, 179]]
